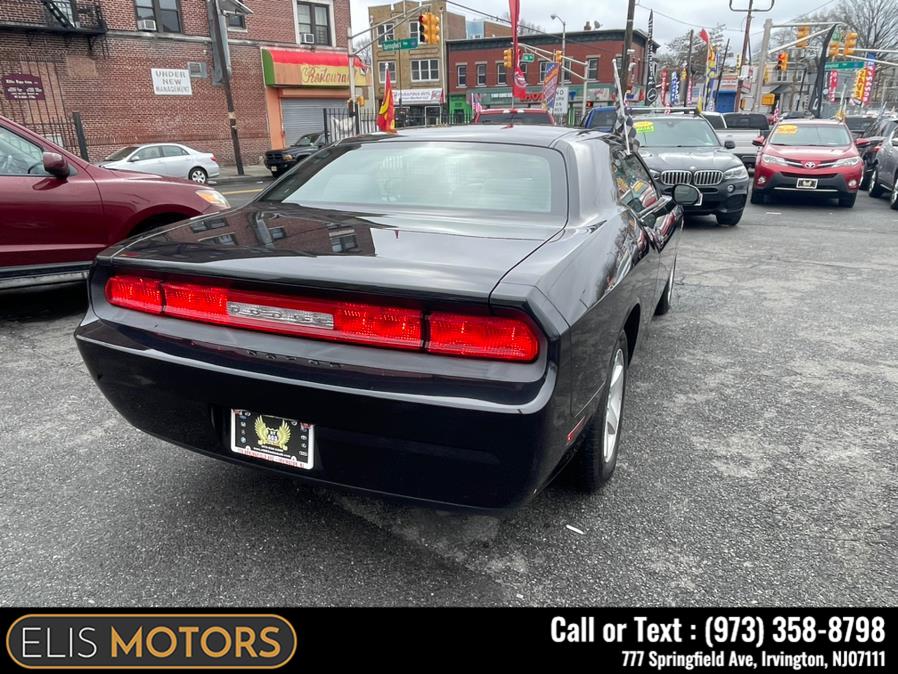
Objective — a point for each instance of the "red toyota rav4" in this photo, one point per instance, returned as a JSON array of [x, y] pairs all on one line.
[[57, 211], [810, 156]]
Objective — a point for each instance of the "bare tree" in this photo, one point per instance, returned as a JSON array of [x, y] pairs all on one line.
[[875, 22], [676, 51]]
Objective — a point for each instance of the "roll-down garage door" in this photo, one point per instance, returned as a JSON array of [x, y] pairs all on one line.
[[303, 116]]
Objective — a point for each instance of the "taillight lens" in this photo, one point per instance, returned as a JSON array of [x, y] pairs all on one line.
[[494, 337], [455, 334], [135, 292]]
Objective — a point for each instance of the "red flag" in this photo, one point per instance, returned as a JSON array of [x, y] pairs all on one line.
[[704, 37], [386, 116]]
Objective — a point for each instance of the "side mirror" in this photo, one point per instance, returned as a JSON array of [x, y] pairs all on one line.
[[729, 144], [687, 195], [55, 164], [895, 141], [862, 142], [759, 141]]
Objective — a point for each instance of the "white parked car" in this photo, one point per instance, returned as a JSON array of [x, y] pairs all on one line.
[[165, 159]]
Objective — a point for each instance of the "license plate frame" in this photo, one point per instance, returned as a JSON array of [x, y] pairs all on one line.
[[806, 183], [272, 438]]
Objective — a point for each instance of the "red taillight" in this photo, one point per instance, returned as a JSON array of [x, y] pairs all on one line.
[[212, 157], [134, 292], [494, 337], [456, 334]]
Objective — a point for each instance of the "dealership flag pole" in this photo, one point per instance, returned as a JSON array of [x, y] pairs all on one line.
[[219, 43]]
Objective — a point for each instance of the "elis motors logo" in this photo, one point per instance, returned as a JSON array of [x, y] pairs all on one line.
[[161, 641]]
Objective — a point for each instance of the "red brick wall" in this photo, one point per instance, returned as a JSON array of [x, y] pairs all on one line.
[[112, 87]]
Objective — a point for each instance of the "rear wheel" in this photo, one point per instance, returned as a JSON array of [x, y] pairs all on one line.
[[876, 190], [596, 458], [198, 175], [893, 200], [729, 218], [847, 200]]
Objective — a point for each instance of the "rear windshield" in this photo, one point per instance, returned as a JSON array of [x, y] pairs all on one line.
[[506, 118], [716, 121], [670, 131], [738, 120], [602, 119], [859, 123], [823, 135], [393, 176], [122, 154]]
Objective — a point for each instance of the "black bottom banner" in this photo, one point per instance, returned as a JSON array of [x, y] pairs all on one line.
[[605, 640]]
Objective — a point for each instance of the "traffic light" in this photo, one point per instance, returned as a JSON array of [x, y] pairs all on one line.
[[833, 48], [782, 61], [803, 33], [431, 28], [508, 59], [422, 38], [850, 44], [559, 56]]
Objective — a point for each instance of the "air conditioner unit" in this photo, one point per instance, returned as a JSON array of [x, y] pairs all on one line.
[[197, 69], [146, 24], [308, 38]]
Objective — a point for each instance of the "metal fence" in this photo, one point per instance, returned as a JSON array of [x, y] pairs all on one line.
[[342, 123]]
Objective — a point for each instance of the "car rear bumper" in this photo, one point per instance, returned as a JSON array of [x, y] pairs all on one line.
[[447, 452]]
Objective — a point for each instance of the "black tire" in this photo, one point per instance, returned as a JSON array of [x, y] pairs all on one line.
[[276, 173], [893, 197], [847, 200], [758, 197], [876, 190], [865, 181], [590, 469], [198, 175], [666, 301], [728, 218]]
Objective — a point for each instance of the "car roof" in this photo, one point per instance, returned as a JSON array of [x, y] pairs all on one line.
[[522, 134]]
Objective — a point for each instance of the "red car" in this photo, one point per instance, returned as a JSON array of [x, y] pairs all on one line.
[[57, 211], [509, 116], [809, 156]]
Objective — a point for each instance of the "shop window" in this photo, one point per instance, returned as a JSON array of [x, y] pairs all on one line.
[[315, 20], [163, 16]]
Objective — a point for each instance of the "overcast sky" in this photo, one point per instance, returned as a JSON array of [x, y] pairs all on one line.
[[681, 15]]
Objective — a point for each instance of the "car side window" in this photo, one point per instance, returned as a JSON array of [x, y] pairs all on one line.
[[19, 157], [635, 188], [172, 151], [145, 153]]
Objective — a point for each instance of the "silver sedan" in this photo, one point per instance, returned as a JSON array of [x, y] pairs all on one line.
[[165, 159]]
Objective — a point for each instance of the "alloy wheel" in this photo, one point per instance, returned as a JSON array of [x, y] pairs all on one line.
[[198, 176], [613, 405], [670, 282], [894, 197]]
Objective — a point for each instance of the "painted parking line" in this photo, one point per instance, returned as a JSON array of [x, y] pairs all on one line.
[[259, 189]]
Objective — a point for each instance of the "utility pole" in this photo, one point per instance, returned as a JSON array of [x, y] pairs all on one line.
[[628, 43], [762, 66], [688, 69], [745, 45], [226, 83]]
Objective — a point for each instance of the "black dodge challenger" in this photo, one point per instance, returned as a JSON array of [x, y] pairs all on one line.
[[445, 315]]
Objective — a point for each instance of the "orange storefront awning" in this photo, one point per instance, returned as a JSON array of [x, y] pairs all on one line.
[[296, 68]]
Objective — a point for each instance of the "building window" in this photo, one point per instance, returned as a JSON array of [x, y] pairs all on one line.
[[592, 69], [565, 75], [385, 32], [236, 21], [500, 74], [543, 67], [343, 241], [523, 68], [481, 74], [414, 29], [461, 71], [383, 65], [426, 70], [166, 14], [315, 19]]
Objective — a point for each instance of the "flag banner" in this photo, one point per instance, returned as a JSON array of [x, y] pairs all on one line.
[[651, 93], [833, 85], [870, 75], [623, 125], [386, 116], [664, 87], [550, 86], [674, 89]]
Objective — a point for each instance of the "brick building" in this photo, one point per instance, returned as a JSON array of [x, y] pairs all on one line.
[[143, 70], [476, 66], [417, 75]]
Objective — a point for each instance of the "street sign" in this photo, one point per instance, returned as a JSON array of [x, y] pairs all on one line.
[[561, 101], [844, 65], [527, 58], [394, 45]]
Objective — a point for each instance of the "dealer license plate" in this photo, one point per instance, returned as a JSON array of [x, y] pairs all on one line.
[[263, 436], [807, 184]]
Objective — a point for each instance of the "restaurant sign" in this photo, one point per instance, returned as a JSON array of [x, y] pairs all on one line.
[[289, 68]]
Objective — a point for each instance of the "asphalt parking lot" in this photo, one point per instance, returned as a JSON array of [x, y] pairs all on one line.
[[758, 463]]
